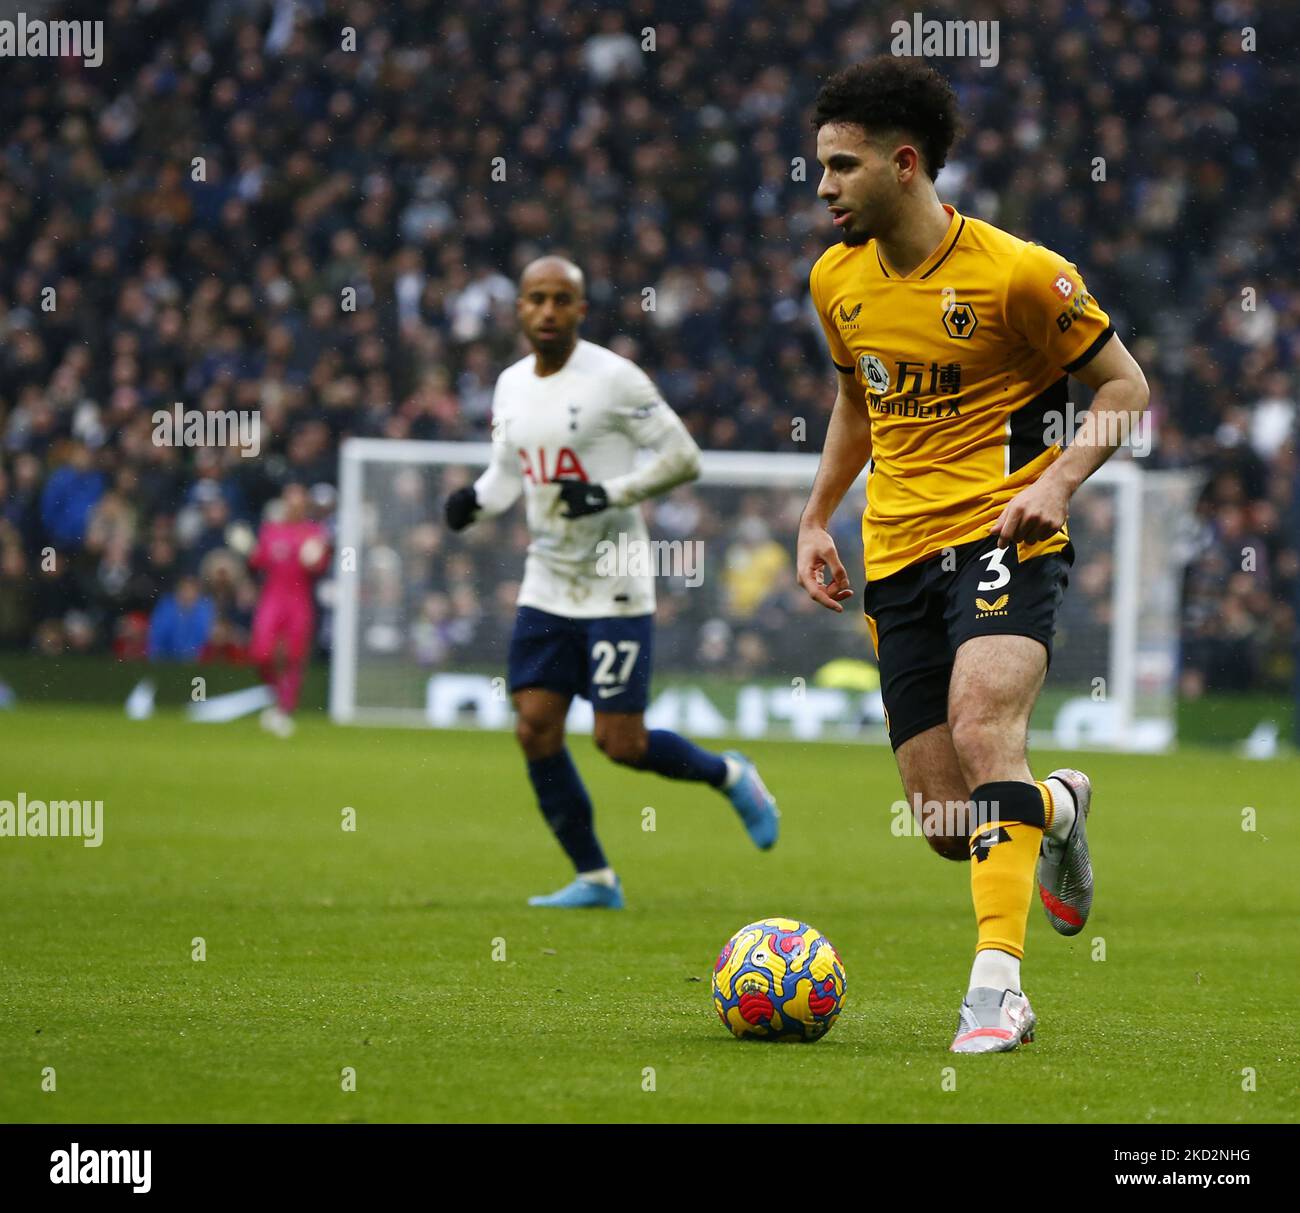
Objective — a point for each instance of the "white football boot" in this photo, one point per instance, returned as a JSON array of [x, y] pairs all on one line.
[[277, 722], [993, 1021], [1065, 868]]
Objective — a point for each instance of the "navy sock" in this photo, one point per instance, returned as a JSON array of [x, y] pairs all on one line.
[[567, 808], [670, 754]]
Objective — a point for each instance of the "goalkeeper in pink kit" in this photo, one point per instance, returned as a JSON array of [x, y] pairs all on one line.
[[290, 553]]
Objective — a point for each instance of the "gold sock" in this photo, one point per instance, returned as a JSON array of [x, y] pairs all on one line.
[[1004, 855], [1049, 805]]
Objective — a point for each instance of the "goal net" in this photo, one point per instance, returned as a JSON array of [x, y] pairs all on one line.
[[422, 616]]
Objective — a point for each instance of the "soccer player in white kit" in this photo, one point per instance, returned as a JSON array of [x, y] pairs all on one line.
[[567, 423]]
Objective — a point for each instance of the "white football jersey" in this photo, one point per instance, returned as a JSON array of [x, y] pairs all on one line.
[[585, 422]]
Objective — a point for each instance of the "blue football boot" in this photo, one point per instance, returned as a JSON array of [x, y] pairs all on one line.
[[754, 803], [583, 895]]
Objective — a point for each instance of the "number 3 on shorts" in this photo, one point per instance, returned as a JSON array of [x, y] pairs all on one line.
[[1000, 574]]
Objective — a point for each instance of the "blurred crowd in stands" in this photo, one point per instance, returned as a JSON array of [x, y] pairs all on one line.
[[315, 211]]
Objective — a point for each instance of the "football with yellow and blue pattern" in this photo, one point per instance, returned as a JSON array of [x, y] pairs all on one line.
[[778, 979]]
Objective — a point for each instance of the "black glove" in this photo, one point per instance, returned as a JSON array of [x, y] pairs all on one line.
[[462, 505], [581, 499]]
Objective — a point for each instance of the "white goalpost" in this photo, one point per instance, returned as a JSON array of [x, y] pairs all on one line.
[[422, 617]]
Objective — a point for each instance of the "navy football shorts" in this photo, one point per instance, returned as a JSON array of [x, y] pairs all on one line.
[[604, 660]]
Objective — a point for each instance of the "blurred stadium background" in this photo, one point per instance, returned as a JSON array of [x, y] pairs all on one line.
[[373, 169]]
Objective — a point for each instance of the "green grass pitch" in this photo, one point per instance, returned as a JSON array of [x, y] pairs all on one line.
[[373, 949]]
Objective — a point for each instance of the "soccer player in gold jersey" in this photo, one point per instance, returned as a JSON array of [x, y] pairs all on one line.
[[954, 341]]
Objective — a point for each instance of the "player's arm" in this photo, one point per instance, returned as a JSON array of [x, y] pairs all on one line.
[[649, 421], [495, 491], [1089, 349], [655, 427], [844, 455], [257, 558], [1121, 399], [314, 554]]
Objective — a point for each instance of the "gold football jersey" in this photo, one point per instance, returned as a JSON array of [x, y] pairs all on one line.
[[964, 363]]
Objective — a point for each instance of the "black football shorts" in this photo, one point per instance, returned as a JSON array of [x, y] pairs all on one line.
[[922, 614]]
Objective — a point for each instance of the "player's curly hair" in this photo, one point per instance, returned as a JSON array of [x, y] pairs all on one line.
[[888, 94]]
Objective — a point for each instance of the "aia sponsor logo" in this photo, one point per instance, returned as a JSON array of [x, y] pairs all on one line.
[[567, 466]]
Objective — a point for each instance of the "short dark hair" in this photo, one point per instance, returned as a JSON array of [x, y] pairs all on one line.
[[887, 93]]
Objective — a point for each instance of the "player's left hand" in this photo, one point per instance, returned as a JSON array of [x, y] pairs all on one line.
[[240, 538], [581, 499], [1032, 515], [311, 551]]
